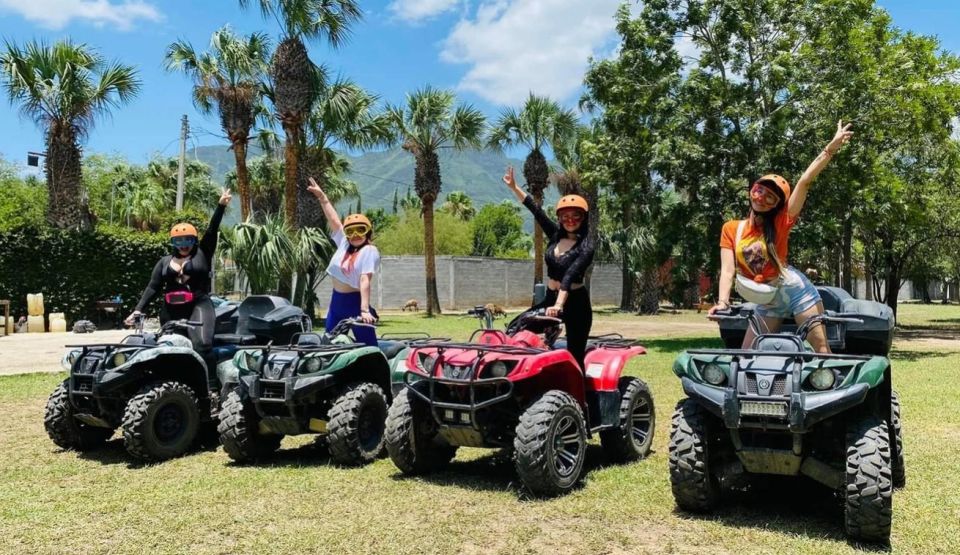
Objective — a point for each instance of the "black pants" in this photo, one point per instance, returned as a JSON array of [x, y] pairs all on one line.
[[200, 310], [577, 318]]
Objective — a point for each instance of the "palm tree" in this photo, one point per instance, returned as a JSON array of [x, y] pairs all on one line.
[[199, 191], [460, 205], [64, 88], [540, 123], [294, 76], [430, 121], [343, 117], [228, 76]]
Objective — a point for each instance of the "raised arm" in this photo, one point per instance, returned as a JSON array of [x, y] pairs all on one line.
[[548, 226], [799, 196], [333, 219], [208, 243]]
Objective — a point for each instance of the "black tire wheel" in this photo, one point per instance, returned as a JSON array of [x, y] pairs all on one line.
[[239, 430], [551, 444], [356, 425], [161, 421], [897, 465], [695, 487], [631, 441], [869, 492], [411, 437], [65, 430]]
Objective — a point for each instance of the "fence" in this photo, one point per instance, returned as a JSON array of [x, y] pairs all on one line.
[[464, 282]]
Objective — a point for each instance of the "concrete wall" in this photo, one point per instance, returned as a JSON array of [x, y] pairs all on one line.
[[464, 282]]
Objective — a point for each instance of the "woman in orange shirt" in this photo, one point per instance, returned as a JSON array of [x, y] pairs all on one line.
[[754, 251]]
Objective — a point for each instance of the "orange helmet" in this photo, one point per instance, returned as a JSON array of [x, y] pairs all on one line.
[[183, 229], [572, 201], [781, 185], [357, 219]]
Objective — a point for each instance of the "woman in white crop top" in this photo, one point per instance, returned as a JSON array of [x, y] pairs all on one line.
[[351, 267]]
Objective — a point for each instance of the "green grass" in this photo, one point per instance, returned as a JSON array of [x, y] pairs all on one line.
[[53, 501], [928, 316]]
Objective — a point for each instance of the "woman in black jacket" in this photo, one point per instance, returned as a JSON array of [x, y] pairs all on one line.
[[183, 278], [568, 255]]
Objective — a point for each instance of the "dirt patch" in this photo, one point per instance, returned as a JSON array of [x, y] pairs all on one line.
[[41, 352]]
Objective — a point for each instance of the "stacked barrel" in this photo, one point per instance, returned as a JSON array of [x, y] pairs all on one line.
[[35, 321]]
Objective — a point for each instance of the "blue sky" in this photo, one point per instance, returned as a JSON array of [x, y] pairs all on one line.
[[491, 51]]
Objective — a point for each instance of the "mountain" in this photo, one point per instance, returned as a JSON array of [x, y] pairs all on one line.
[[379, 173]]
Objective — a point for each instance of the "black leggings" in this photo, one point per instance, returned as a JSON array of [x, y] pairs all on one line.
[[577, 318], [200, 310]]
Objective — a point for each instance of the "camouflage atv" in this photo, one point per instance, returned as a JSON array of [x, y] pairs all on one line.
[[325, 384], [780, 408]]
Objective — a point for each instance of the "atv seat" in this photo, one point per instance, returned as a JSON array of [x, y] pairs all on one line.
[[234, 339], [391, 349]]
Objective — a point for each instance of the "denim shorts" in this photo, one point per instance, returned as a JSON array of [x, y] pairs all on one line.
[[796, 294]]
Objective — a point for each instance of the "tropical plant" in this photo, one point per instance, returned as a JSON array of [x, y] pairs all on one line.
[[498, 231], [428, 122], [227, 78], [541, 123], [64, 87], [406, 236], [460, 205], [293, 74]]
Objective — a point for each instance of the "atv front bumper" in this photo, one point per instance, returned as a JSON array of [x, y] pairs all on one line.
[[455, 402], [798, 412]]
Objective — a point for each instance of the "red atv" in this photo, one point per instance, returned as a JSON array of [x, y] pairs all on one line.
[[519, 389]]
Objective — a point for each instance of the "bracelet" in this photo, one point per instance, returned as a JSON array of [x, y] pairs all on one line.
[[365, 311], [725, 303]]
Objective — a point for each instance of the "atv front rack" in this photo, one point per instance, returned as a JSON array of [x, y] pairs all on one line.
[[752, 353], [466, 346]]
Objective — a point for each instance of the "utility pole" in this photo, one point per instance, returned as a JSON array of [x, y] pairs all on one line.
[[184, 131]]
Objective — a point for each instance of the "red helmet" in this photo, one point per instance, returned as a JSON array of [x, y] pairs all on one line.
[[572, 201], [183, 229]]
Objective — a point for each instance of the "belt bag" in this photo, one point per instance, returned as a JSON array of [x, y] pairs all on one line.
[[179, 297], [754, 291]]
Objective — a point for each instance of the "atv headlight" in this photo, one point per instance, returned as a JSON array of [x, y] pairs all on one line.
[[69, 359], [713, 374], [118, 359], [251, 360], [500, 369], [822, 378], [426, 362], [311, 365]]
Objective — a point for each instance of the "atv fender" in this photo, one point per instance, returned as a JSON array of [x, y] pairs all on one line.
[[604, 365], [160, 363]]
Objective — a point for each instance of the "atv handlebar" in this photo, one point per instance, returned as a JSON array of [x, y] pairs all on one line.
[[757, 324]]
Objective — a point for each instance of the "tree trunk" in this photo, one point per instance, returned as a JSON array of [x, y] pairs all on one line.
[[537, 174], [846, 266], [429, 258], [893, 289], [309, 211], [648, 283], [627, 291], [868, 283], [291, 155], [243, 178], [65, 206]]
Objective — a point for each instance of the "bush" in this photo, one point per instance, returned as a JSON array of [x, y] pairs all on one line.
[[498, 231], [22, 202], [74, 269], [452, 236]]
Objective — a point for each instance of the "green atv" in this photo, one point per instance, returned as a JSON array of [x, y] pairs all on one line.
[[325, 384], [780, 408]]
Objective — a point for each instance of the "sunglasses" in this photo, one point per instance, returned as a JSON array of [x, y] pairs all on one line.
[[761, 194], [571, 216], [356, 232], [183, 242]]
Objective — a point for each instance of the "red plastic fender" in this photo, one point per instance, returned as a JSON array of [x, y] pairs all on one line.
[[605, 365], [549, 370]]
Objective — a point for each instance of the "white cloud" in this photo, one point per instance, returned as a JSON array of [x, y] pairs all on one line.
[[517, 46], [414, 11], [57, 14]]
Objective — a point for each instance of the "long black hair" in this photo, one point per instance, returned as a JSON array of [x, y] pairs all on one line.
[[768, 220]]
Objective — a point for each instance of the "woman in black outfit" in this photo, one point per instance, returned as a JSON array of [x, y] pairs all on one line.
[[568, 255], [183, 278]]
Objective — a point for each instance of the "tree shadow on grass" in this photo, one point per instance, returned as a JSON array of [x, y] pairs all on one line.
[[793, 506], [913, 356], [682, 344], [495, 472]]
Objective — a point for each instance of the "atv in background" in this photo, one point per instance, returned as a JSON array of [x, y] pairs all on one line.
[[514, 390], [780, 408], [155, 386], [325, 384]]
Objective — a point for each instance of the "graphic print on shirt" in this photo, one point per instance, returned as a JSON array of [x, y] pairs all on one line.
[[752, 253]]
